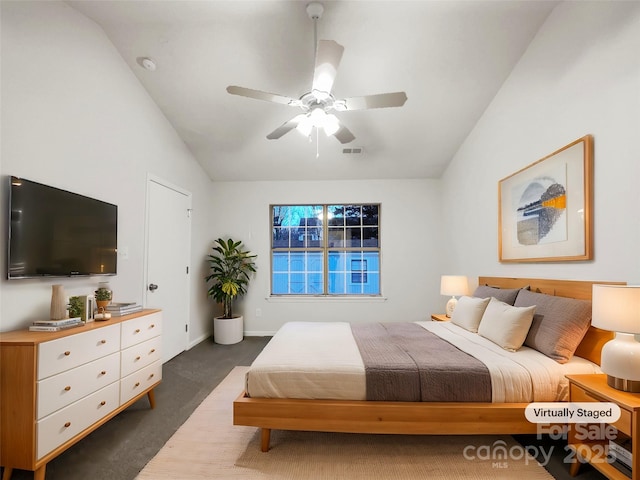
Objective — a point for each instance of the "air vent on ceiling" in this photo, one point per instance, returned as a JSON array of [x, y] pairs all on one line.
[[353, 151]]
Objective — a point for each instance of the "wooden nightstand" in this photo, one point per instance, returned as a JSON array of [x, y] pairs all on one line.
[[594, 388], [440, 317]]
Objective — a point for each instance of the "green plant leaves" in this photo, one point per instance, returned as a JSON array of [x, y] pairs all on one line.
[[230, 266]]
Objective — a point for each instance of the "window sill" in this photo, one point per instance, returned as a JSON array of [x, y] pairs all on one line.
[[323, 298]]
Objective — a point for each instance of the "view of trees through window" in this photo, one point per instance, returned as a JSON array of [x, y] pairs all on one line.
[[325, 249]]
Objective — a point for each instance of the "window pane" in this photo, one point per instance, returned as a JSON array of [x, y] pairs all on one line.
[[302, 236], [297, 273], [361, 275], [370, 237], [354, 237], [370, 214], [336, 237], [297, 226], [281, 237]]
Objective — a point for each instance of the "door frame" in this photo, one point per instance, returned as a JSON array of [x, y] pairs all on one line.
[[151, 178]]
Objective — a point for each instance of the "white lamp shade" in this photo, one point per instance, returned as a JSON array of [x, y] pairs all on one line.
[[453, 285], [616, 308]]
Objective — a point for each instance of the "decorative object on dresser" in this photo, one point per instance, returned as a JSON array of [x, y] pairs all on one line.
[[88, 307], [231, 266], [75, 306], [55, 325], [453, 285], [123, 308], [103, 297], [617, 308], [540, 219], [57, 387], [58, 303]]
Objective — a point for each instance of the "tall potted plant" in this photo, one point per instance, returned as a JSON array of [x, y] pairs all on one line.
[[231, 266]]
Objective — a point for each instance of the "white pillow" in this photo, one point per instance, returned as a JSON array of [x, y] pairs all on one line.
[[468, 312], [506, 325]]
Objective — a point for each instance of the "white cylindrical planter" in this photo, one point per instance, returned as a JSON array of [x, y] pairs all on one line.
[[228, 331]]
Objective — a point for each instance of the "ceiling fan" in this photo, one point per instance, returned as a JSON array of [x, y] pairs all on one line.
[[319, 104]]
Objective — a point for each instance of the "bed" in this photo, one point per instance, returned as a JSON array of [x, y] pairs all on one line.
[[347, 411]]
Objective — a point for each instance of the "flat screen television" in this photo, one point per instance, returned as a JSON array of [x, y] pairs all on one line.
[[56, 233]]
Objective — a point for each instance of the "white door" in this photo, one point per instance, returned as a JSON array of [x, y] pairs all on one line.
[[167, 265]]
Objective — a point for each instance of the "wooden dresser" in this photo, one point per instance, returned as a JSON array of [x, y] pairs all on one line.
[[57, 387]]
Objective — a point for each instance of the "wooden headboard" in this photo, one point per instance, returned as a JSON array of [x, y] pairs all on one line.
[[592, 343]]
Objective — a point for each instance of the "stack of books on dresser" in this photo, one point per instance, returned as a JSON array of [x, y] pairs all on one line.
[[119, 309], [620, 453], [55, 325]]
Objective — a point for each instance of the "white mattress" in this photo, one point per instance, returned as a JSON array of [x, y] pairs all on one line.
[[320, 360]]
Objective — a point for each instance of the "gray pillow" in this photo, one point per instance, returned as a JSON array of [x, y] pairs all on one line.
[[559, 323], [506, 295]]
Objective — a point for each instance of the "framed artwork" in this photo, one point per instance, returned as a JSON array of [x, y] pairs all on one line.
[[544, 210]]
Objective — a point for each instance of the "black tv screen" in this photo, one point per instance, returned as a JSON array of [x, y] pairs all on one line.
[[57, 233]]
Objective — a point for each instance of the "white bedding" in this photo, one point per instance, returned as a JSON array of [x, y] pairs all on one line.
[[320, 360]]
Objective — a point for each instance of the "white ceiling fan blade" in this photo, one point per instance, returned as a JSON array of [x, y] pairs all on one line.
[[328, 58], [344, 135], [260, 95], [286, 127], [382, 100]]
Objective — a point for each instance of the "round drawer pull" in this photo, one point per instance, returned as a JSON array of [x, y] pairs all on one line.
[[153, 350], [152, 325], [67, 425], [103, 341], [103, 372], [103, 403], [67, 388], [137, 358], [151, 376], [137, 384], [137, 330], [67, 353]]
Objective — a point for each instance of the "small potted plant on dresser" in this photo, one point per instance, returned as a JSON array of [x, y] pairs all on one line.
[[103, 297], [231, 266]]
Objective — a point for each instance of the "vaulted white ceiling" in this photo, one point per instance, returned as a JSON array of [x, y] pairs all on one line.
[[450, 57]]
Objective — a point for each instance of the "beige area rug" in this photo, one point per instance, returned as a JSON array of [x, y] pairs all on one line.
[[208, 446]]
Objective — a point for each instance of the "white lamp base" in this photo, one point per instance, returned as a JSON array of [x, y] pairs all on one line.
[[621, 362], [451, 305]]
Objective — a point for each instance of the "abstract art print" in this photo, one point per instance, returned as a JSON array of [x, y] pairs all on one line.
[[545, 208]]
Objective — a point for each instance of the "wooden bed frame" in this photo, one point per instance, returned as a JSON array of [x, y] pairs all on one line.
[[415, 418]]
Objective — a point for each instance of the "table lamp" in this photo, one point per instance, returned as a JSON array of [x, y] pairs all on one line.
[[453, 285], [617, 308]]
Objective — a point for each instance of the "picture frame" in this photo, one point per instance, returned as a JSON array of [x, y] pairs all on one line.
[[545, 209]]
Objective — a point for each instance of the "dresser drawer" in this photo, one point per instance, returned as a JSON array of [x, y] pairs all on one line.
[[579, 394], [69, 352], [141, 329], [64, 424], [67, 387], [139, 381], [140, 355]]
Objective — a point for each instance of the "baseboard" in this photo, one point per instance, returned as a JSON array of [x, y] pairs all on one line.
[[195, 342], [258, 333]]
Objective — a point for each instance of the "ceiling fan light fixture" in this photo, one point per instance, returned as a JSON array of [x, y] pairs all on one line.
[[331, 124], [305, 125]]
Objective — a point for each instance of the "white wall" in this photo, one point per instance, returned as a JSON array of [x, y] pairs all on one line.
[[74, 116], [580, 75], [410, 240]]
